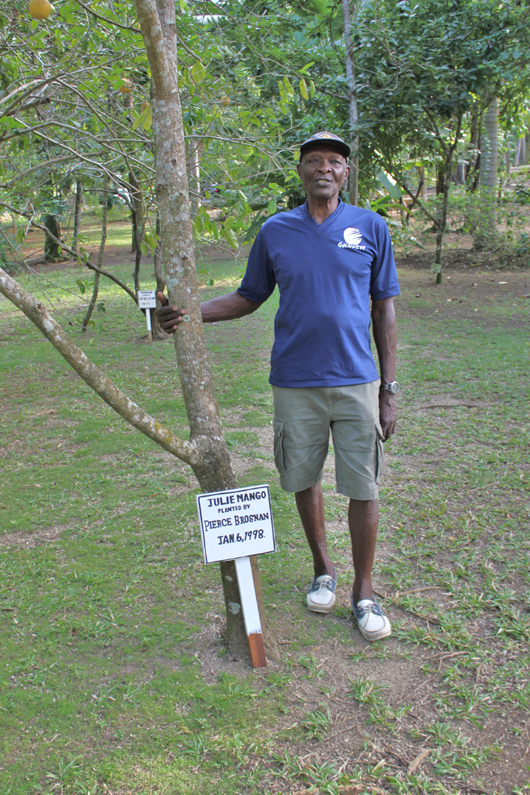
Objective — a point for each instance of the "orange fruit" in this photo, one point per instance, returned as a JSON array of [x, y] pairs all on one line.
[[39, 9]]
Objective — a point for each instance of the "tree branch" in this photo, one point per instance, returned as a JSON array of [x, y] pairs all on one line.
[[93, 376], [108, 21], [71, 251]]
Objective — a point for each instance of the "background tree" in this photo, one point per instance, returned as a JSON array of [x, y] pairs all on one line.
[[422, 67]]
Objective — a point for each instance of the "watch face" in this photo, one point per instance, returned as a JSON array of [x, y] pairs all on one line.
[[394, 387]]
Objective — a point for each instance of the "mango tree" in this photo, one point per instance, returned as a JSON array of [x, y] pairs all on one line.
[[206, 451]]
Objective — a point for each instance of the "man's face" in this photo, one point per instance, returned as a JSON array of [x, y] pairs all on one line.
[[323, 171]]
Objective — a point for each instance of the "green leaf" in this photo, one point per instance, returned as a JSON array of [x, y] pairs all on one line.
[[198, 72], [82, 286], [271, 207], [303, 89], [147, 121], [198, 224], [151, 240], [229, 235], [288, 86], [389, 184], [304, 69]]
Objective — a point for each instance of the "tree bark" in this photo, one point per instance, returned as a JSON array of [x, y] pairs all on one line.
[[353, 115], [52, 251], [490, 148]]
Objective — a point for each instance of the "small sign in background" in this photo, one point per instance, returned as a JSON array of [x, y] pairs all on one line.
[[146, 299]]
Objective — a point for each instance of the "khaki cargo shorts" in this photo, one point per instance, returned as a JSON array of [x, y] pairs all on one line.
[[303, 418]]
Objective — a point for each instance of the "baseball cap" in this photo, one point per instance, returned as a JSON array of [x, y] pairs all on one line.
[[325, 137]]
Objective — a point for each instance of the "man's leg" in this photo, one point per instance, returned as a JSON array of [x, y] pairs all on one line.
[[310, 504], [363, 521]]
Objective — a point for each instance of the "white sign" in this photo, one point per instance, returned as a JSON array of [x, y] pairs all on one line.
[[236, 523], [146, 299]]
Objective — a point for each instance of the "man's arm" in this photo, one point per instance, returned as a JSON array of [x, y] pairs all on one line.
[[385, 337], [225, 307]]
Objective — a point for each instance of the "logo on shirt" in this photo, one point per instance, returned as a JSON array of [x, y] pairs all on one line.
[[352, 236], [353, 239]]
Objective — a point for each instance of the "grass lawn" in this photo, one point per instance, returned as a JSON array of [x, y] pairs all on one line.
[[114, 678]]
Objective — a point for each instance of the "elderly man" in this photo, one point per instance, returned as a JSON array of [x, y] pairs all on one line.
[[330, 261]]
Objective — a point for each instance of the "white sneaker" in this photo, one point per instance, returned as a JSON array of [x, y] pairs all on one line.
[[321, 597], [371, 619]]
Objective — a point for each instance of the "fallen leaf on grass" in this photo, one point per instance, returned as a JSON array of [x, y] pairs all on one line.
[[417, 762]]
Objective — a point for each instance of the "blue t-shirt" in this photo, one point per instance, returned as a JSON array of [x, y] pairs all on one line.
[[326, 274]]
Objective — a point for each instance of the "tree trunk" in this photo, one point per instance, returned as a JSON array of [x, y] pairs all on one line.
[[77, 214], [520, 152], [353, 115], [194, 171], [473, 170], [157, 258], [158, 331], [94, 298], [490, 148], [487, 228], [440, 232], [214, 469], [422, 182], [137, 213], [52, 251], [440, 180]]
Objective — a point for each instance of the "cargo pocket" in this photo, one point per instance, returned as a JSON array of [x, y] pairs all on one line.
[[279, 460], [379, 453]]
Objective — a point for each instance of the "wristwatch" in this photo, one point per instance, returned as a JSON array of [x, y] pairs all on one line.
[[392, 387]]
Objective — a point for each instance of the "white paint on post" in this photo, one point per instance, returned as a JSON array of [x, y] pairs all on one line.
[[247, 592], [148, 318]]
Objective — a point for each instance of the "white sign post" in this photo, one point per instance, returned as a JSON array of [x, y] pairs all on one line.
[[235, 525], [147, 301]]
